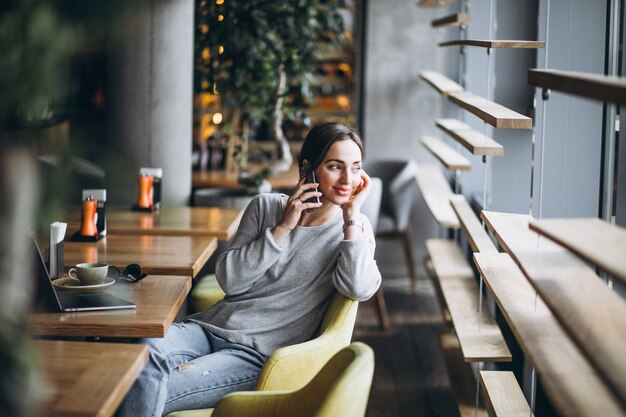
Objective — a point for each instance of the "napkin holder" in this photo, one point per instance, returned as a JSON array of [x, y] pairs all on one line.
[[58, 272], [55, 251]]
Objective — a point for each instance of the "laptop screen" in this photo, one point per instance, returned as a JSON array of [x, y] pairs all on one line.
[[45, 297], [48, 300]]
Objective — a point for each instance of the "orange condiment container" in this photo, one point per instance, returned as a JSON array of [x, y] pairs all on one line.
[[88, 218], [144, 200]]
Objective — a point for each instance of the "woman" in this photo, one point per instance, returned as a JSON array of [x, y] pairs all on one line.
[[288, 257]]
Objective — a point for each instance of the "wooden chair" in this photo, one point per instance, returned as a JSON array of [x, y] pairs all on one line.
[[340, 388]]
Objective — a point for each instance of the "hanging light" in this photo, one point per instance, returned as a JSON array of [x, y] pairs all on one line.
[[343, 102]]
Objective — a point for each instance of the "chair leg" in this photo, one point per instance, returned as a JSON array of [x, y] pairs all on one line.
[[382, 309], [408, 252]]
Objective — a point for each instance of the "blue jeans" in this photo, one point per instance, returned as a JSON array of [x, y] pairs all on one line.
[[190, 368]]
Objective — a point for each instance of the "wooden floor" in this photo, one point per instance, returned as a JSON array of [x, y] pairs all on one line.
[[410, 378]]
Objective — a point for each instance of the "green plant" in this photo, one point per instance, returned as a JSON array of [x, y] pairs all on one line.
[[37, 39], [33, 68], [261, 55]]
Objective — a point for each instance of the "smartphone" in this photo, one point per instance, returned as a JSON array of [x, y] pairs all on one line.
[[310, 177]]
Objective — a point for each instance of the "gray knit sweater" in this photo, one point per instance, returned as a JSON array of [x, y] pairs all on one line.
[[276, 296]]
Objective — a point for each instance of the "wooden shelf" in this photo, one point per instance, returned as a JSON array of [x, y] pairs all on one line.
[[430, 271], [434, 3], [449, 157], [509, 44], [476, 235], [593, 315], [457, 19], [462, 380], [493, 113], [503, 395], [593, 240], [440, 82], [594, 86], [436, 192], [573, 386], [472, 140], [479, 337]]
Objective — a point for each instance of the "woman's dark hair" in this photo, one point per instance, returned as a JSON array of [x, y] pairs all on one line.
[[319, 140]]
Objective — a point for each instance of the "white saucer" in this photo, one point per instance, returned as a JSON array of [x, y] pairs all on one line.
[[72, 284]]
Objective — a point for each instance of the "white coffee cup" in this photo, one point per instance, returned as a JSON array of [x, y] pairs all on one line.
[[90, 273]]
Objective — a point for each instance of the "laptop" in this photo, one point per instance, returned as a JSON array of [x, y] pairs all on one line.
[[49, 300]]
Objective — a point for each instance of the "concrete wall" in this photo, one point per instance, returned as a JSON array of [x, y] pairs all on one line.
[[399, 106], [501, 76], [151, 97]]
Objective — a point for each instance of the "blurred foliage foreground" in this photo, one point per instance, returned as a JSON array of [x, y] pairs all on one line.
[[36, 41]]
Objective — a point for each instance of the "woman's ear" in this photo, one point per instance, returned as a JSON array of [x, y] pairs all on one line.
[[305, 165]]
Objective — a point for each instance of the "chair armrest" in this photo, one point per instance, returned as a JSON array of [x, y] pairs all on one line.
[[258, 404], [292, 367]]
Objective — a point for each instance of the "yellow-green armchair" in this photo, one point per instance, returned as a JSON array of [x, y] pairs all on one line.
[[292, 367], [340, 388]]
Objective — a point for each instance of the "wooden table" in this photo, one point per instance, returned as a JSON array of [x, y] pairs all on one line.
[[87, 379], [206, 179], [221, 223], [173, 255], [158, 299]]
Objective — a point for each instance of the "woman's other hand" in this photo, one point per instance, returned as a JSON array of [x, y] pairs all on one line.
[[353, 206]]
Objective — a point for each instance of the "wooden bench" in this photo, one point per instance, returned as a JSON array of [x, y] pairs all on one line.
[[503, 395], [595, 86], [440, 82], [448, 156], [430, 271], [474, 231], [479, 335], [456, 19], [436, 192], [472, 140], [592, 314], [594, 240], [462, 379], [507, 44], [495, 114], [574, 387]]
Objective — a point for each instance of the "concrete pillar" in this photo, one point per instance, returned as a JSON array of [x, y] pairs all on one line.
[[399, 107], [150, 108]]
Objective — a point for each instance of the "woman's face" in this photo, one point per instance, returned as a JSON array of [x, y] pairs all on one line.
[[339, 174]]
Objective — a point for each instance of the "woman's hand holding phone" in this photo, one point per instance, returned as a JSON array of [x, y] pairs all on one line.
[[304, 197]]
